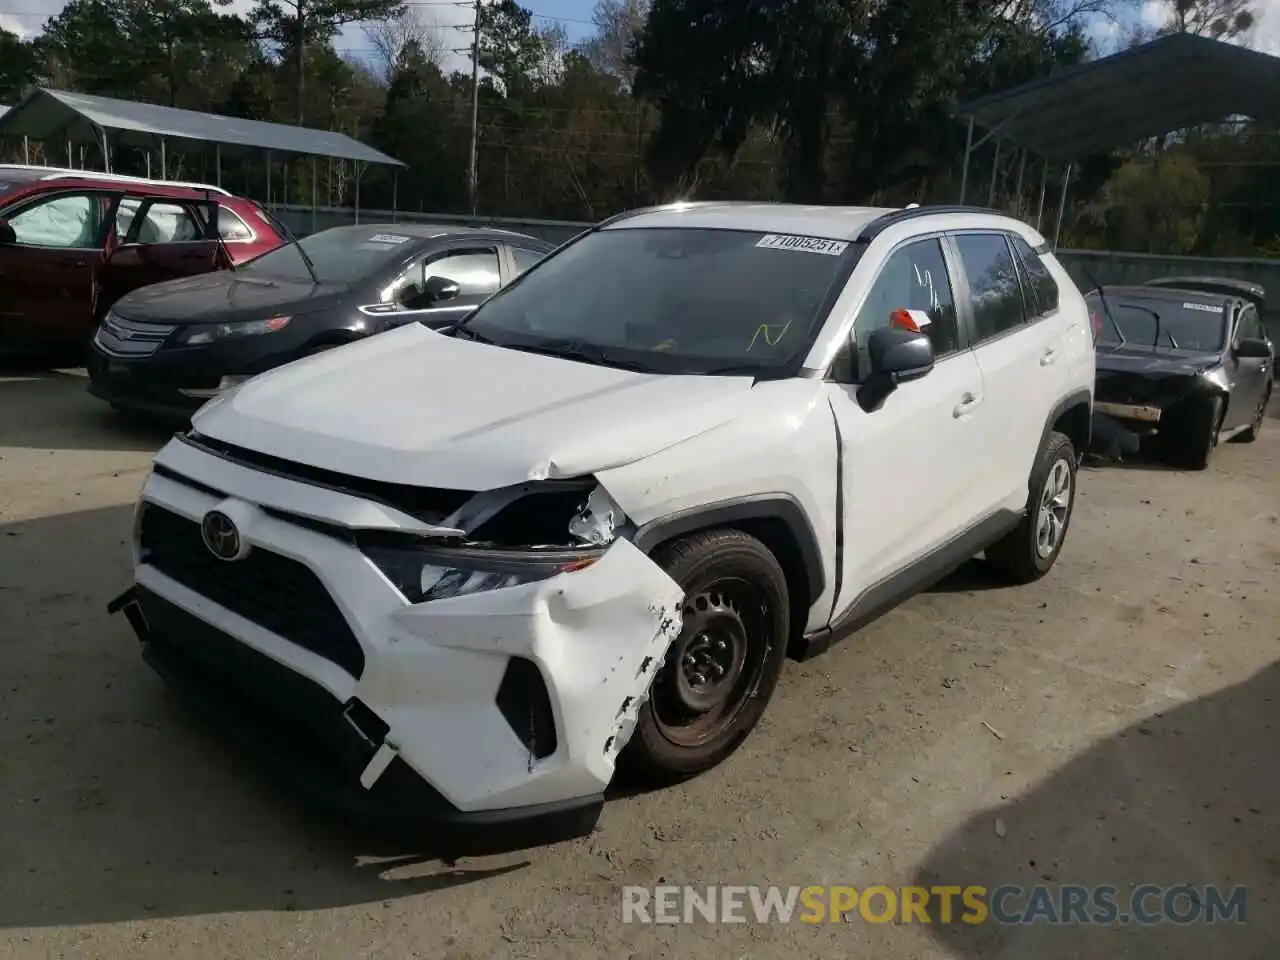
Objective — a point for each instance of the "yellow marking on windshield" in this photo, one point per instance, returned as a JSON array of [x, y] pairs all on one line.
[[763, 331]]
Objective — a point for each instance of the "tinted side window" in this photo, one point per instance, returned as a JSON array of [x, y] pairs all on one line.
[[1044, 289], [913, 278], [524, 259], [68, 221], [475, 273], [994, 291]]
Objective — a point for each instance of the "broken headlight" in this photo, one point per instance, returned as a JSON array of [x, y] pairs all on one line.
[[423, 574]]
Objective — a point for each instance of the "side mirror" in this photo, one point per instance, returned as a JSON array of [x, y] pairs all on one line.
[[439, 289], [6, 233], [1253, 348], [897, 357]]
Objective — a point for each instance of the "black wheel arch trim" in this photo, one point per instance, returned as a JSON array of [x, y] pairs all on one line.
[[1074, 399], [725, 513]]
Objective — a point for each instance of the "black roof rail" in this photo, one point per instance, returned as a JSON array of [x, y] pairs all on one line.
[[884, 221]]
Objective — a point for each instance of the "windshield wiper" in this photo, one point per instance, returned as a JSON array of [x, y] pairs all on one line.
[[578, 350], [292, 238], [457, 330]]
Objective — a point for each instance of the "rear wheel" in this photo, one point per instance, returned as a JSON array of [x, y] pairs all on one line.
[[1030, 550], [722, 669], [1194, 433], [1250, 433]]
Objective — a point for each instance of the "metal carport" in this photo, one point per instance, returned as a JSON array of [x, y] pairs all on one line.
[[1169, 84], [59, 116]]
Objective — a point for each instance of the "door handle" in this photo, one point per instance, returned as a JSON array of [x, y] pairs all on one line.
[[968, 403], [1048, 357]]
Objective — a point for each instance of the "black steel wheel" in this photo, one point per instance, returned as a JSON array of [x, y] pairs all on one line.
[[721, 670]]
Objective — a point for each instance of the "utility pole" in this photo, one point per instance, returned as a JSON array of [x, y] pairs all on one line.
[[475, 106]]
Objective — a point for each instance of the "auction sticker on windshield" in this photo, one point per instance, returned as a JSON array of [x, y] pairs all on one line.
[[1205, 307], [388, 238], [777, 241]]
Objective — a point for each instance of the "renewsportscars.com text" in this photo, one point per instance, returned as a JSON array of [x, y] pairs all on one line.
[[1008, 904]]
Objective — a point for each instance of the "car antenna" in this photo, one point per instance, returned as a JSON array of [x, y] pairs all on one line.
[[217, 231]]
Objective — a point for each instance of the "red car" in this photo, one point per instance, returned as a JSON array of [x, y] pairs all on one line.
[[72, 242]]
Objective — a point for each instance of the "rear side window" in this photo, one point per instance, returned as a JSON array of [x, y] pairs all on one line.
[[231, 227], [1043, 292], [994, 291], [524, 259]]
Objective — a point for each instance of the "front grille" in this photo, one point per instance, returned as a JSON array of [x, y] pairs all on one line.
[[129, 338], [275, 592]]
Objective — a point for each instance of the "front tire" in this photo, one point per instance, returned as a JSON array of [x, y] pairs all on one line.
[[1250, 433], [1195, 434], [722, 669], [1031, 549]]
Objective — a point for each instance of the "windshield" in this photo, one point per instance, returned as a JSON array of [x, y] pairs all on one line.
[[340, 255], [1159, 322], [673, 300]]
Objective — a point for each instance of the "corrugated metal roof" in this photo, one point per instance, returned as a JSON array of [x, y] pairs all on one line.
[[57, 115], [1165, 85]]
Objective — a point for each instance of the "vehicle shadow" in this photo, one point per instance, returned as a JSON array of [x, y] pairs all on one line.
[[121, 805], [52, 410], [1188, 796], [974, 577]]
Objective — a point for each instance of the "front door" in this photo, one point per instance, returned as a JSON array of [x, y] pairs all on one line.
[[1248, 375], [909, 467], [48, 275], [157, 239]]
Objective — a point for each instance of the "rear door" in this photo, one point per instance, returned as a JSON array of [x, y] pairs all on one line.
[[158, 239], [1018, 348], [48, 276]]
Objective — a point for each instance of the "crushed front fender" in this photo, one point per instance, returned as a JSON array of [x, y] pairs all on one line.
[[597, 637]]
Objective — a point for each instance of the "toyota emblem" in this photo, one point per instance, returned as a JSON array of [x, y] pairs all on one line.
[[221, 536]]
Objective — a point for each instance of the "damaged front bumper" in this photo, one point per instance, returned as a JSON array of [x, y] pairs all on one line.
[[485, 707]]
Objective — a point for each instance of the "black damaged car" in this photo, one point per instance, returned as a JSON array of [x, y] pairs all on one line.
[[1180, 369], [166, 349]]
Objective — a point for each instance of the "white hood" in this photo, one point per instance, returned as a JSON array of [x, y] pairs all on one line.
[[413, 406]]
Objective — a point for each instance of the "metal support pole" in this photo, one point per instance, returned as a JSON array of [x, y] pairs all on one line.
[[82, 165], [359, 168], [1044, 183], [395, 194], [995, 171], [472, 176], [1022, 169], [964, 171], [268, 178], [164, 162], [1062, 206], [26, 150], [313, 194], [217, 162], [106, 153], [148, 164]]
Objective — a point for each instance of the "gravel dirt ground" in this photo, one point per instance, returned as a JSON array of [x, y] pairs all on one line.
[[1114, 724]]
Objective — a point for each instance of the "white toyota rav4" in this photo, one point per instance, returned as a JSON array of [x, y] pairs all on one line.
[[463, 575]]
